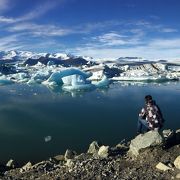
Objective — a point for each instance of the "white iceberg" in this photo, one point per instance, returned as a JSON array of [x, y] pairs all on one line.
[[102, 83], [56, 77]]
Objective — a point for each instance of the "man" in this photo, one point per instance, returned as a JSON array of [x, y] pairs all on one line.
[[150, 117]]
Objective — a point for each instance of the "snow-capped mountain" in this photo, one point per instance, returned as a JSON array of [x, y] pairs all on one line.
[[20, 55], [24, 55]]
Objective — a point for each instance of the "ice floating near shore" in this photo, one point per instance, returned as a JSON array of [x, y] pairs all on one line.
[[47, 138], [77, 76]]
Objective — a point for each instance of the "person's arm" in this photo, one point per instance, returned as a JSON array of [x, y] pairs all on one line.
[[142, 114]]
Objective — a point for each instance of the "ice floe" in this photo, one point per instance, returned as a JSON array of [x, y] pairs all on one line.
[[73, 73]]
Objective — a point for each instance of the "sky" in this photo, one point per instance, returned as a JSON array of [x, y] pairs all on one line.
[[96, 28]]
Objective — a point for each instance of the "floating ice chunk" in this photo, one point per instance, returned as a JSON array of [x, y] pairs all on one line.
[[20, 77], [76, 82], [103, 83], [50, 63], [5, 81], [47, 138], [57, 76], [173, 76], [32, 81]]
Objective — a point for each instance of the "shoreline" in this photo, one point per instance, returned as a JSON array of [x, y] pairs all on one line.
[[151, 155]]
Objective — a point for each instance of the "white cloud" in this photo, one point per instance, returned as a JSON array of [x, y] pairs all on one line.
[[152, 50], [116, 39], [35, 13], [111, 38], [168, 30], [10, 42], [6, 20], [39, 30], [39, 11], [165, 44]]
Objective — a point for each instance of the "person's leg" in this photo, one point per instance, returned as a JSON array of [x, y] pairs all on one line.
[[139, 126], [142, 123]]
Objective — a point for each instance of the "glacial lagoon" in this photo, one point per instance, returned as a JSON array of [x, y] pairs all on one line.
[[37, 122]]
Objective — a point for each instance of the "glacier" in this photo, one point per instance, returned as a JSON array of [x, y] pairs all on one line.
[[74, 73]]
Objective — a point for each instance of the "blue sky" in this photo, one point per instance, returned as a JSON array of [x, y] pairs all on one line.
[[97, 28]]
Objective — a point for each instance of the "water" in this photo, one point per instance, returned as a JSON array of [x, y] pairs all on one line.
[[36, 122]]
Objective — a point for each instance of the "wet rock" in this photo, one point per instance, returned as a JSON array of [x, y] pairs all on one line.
[[178, 136], [26, 167], [103, 151], [69, 163], [167, 133], [10, 164], [69, 154], [177, 162], [35, 166], [142, 141], [162, 167], [93, 148], [170, 137], [122, 147], [59, 158], [178, 176]]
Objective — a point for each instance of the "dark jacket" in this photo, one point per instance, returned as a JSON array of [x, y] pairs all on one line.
[[153, 115]]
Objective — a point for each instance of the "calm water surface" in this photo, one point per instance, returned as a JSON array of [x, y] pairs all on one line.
[[28, 114]]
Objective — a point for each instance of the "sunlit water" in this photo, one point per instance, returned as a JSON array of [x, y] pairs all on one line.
[[29, 114]]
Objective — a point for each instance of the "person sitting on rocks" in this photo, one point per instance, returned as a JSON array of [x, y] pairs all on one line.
[[150, 117]]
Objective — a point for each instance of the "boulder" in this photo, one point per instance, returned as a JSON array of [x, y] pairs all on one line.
[[178, 176], [93, 148], [178, 136], [103, 151], [69, 154], [177, 162], [142, 141], [26, 167], [162, 167], [59, 158], [170, 138], [10, 164], [167, 133], [69, 163]]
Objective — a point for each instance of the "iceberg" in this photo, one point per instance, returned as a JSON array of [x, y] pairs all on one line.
[[56, 77], [102, 83], [5, 81], [20, 77]]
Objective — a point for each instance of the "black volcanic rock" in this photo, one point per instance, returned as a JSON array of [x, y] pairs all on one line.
[[69, 62], [111, 72], [7, 69]]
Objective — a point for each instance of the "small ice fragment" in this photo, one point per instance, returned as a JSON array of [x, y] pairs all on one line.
[[47, 138]]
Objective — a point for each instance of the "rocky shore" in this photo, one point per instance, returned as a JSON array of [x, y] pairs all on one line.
[[152, 155]]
